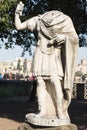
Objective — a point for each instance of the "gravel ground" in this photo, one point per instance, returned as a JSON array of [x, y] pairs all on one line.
[[13, 111]]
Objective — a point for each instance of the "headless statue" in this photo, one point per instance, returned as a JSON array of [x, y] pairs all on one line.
[[53, 61]]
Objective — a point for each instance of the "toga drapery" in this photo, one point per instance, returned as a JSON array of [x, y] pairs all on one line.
[[48, 60]]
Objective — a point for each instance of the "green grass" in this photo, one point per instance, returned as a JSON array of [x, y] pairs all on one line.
[[13, 91]]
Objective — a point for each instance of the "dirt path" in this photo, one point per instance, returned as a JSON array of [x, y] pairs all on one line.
[[8, 124]]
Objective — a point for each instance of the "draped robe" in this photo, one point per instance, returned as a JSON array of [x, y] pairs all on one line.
[[59, 60]]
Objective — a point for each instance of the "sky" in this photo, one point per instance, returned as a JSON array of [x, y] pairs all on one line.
[[82, 54], [12, 54]]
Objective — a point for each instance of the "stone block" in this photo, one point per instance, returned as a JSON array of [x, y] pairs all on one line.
[[27, 126]]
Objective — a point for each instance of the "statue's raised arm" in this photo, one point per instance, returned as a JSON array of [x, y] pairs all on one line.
[[19, 8], [18, 12]]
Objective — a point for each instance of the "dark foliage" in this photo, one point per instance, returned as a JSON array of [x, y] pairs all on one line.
[[76, 9]]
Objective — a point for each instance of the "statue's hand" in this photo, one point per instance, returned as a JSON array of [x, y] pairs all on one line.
[[60, 38], [51, 42], [19, 8]]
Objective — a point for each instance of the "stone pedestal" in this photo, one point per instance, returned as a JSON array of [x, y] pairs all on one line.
[[47, 121], [27, 126], [34, 122]]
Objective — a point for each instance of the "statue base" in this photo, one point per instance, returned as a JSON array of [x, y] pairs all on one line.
[[34, 122], [27, 126], [46, 120]]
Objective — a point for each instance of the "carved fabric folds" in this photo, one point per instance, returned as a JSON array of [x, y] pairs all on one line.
[[50, 24]]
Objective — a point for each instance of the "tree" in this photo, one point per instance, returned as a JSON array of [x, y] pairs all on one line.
[[78, 74], [19, 67], [83, 77], [76, 9], [25, 66]]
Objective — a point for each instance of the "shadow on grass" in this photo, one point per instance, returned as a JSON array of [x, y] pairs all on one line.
[[16, 110], [78, 113]]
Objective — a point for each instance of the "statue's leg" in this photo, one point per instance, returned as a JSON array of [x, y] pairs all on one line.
[[59, 96], [41, 95], [67, 101]]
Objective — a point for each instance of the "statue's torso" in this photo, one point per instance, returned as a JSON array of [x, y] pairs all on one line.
[[43, 44]]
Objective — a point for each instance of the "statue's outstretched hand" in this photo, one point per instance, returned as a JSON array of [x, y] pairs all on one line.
[[19, 8]]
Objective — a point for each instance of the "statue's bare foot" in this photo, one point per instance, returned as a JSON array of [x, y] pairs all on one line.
[[40, 114]]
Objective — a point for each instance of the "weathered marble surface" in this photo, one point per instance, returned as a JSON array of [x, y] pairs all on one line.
[[46, 121]]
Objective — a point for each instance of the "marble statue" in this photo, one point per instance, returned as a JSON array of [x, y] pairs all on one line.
[[53, 61]]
